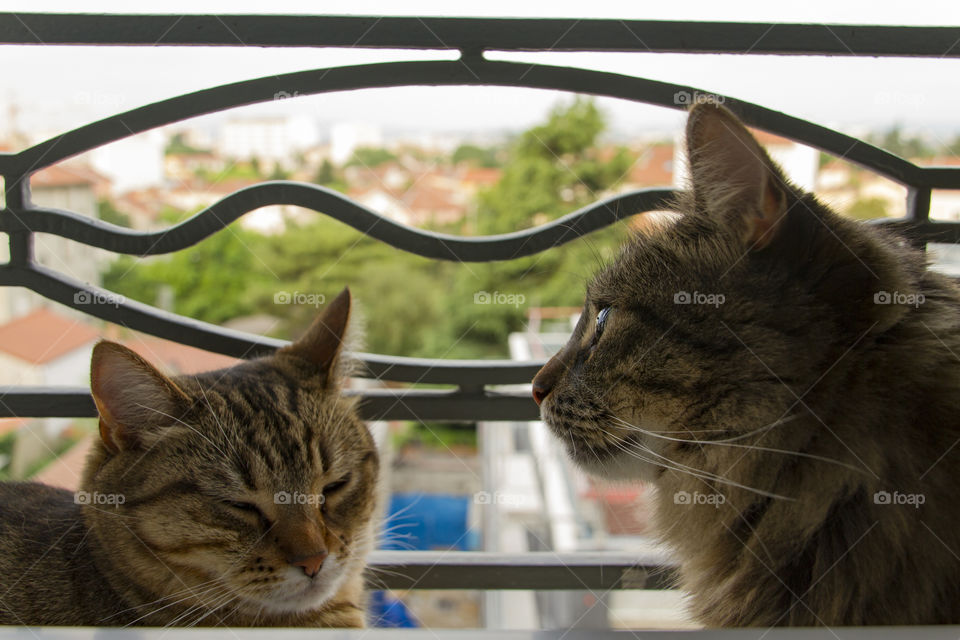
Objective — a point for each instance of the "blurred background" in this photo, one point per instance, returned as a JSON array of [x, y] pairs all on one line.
[[466, 161]]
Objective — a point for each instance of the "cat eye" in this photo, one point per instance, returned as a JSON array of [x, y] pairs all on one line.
[[333, 487], [244, 506], [601, 323]]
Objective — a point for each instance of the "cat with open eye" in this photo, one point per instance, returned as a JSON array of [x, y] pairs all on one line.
[[239, 497], [789, 382]]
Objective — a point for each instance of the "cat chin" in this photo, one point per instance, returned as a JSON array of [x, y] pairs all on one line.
[[620, 466], [299, 594]]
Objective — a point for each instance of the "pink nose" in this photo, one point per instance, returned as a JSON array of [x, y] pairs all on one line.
[[311, 564]]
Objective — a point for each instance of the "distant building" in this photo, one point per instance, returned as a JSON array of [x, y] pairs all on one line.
[[347, 137], [43, 348], [72, 186], [272, 140], [132, 163]]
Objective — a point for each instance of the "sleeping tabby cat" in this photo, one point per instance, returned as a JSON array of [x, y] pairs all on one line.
[[789, 380], [241, 497]]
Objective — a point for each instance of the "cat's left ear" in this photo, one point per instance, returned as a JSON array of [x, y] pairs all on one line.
[[732, 175], [323, 342]]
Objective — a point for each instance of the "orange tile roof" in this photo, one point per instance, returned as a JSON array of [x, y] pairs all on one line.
[[66, 175], [938, 161], [766, 138], [64, 472], [176, 358], [8, 425], [43, 335], [654, 166], [483, 176]]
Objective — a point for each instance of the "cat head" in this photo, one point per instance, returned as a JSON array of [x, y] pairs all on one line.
[[253, 485], [714, 325]]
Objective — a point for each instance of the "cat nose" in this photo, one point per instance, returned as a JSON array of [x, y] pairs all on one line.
[[311, 563], [539, 392], [545, 380]]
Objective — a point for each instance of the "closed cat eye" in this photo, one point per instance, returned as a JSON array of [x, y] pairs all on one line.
[[244, 506], [333, 487]]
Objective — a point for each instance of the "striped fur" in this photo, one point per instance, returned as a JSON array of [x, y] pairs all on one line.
[[775, 421], [204, 534]]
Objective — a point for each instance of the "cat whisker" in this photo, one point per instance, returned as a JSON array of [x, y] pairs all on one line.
[[678, 466], [621, 443], [728, 443]]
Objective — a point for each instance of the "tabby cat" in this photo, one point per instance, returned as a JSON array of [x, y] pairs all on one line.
[[243, 497], [789, 381]]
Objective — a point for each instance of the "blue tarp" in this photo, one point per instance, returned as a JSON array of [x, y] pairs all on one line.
[[417, 521]]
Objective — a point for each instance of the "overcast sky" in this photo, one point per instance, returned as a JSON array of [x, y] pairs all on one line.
[[61, 87]]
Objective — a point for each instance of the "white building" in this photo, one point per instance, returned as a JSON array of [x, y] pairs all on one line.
[[132, 163], [347, 137], [271, 139], [43, 348]]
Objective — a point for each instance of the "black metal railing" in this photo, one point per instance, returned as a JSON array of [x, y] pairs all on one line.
[[474, 396]]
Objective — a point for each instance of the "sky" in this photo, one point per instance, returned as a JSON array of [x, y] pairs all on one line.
[[58, 88]]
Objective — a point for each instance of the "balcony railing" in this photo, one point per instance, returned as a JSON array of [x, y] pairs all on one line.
[[474, 396]]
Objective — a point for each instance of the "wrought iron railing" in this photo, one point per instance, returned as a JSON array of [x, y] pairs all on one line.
[[474, 396]]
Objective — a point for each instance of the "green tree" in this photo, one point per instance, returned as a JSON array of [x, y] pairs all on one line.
[[868, 208], [370, 157], [479, 156], [218, 279], [553, 169], [409, 305], [896, 141], [109, 213], [328, 176]]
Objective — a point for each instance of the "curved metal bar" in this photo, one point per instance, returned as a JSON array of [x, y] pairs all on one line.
[[428, 244], [472, 71], [111, 307]]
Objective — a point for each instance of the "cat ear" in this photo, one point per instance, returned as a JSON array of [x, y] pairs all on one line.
[[732, 174], [323, 341], [132, 397]]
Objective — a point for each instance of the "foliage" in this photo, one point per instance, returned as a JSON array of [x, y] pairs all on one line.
[[328, 176], [868, 208], [436, 435], [488, 157], [896, 141], [109, 213], [215, 280], [411, 306], [554, 168], [178, 145], [370, 157]]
